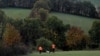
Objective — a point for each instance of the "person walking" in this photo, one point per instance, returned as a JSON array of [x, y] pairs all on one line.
[[53, 48], [40, 49]]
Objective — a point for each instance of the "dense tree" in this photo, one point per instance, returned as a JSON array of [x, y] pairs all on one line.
[[57, 27], [2, 16], [89, 10], [84, 8], [95, 32], [43, 14], [37, 7], [17, 23], [11, 36], [2, 22], [41, 4], [98, 10], [11, 44], [76, 39], [30, 31], [17, 3], [1, 3]]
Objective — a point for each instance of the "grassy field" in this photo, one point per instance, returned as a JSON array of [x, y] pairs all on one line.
[[79, 21], [68, 53], [16, 12]]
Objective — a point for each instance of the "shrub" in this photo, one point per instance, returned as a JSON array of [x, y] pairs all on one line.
[[6, 51], [13, 51], [93, 46], [45, 43], [20, 49]]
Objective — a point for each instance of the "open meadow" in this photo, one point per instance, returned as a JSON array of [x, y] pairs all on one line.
[[68, 53], [16, 12]]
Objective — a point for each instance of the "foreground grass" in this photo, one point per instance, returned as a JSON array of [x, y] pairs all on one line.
[[68, 53]]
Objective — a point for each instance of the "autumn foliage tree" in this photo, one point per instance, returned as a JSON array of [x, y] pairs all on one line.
[[76, 39], [11, 36]]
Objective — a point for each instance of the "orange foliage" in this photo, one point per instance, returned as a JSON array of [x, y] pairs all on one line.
[[74, 36], [11, 36]]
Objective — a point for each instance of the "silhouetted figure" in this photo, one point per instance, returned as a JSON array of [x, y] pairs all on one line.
[[53, 48], [40, 49]]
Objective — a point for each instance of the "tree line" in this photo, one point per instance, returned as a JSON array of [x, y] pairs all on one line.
[[17, 3], [83, 8]]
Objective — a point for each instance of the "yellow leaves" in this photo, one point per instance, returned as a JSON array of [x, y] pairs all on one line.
[[11, 36]]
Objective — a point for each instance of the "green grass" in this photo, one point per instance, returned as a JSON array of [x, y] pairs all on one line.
[[68, 53], [83, 22], [16, 12]]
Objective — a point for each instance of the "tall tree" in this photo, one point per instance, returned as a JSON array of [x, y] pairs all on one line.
[[95, 32], [76, 39], [43, 14], [30, 31], [37, 6], [98, 10], [57, 28], [2, 22], [11, 36], [2, 16]]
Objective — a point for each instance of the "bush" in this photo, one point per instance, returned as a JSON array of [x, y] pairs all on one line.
[[13, 51], [6, 51], [20, 49], [93, 46], [45, 43]]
